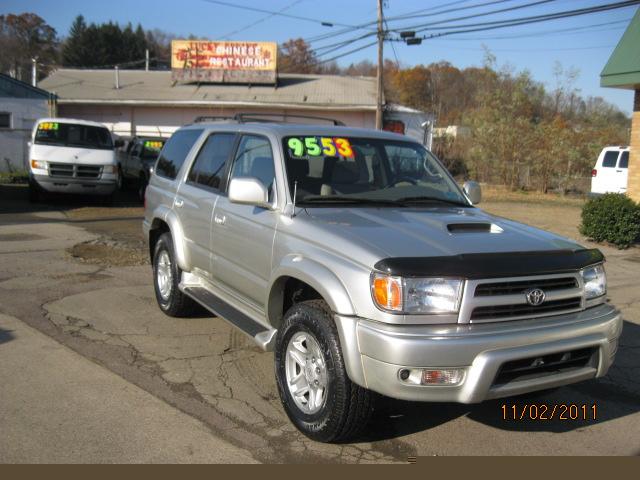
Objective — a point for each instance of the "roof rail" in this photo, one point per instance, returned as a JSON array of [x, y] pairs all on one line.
[[214, 118], [267, 118]]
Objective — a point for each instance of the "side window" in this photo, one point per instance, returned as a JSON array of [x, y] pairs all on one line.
[[208, 168], [624, 160], [610, 159], [254, 158], [135, 151], [175, 151]]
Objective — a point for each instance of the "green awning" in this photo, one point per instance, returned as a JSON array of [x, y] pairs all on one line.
[[623, 68]]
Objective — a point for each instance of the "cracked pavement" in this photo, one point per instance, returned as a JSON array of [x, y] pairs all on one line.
[[212, 372]]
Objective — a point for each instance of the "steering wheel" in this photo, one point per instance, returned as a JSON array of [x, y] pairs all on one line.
[[404, 178]]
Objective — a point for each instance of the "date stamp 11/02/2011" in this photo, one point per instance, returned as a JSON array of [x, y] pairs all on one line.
[[547, 412]]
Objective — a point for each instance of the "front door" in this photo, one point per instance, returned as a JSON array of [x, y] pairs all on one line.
[[198, 195], [243, 234]]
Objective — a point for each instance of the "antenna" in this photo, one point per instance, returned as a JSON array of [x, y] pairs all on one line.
[[295, 194]]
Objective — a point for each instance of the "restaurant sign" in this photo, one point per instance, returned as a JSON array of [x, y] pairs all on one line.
[[223, 62]]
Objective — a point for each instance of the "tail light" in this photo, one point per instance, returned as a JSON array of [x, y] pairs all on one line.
[[594, 172]]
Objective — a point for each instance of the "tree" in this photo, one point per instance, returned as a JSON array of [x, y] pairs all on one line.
[[296, 56], [25, 37]]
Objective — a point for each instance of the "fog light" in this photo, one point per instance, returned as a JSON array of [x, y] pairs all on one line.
[[443, 376], [450, 376]]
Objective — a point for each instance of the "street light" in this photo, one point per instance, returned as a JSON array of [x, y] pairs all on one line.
[[414, 41], [407, 34]]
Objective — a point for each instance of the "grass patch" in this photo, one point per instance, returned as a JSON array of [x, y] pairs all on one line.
[[496, 193], [21, 177]]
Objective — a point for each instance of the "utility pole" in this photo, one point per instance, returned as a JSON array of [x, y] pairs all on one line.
[[146, 60], [380, 67]]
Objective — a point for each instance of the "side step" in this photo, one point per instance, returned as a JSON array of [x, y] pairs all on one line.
[[261, 335]]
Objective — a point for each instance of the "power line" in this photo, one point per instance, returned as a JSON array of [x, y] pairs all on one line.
[[325, 23], [477, 27], [260, 20]]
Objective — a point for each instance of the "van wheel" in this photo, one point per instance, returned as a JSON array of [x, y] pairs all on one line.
[[316, 393], [142, 187], [120, 180], [166, 274], [34, 193]]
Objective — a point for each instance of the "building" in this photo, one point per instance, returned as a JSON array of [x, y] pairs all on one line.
[[138, 102], [623, 71], [20, 106], [142, 102]]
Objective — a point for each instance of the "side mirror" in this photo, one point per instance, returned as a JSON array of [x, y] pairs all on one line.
[[249, 191], [119, 143], [473, 191]]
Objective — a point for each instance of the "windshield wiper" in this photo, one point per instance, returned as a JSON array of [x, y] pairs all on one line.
[[330, 199], [423, 199]]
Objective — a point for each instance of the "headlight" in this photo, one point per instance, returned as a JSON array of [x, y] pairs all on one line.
[[595, 281], [38, 165], [109, 169], [416, 295]]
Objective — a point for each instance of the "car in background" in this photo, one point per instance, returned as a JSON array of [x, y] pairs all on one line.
[[136, 161], [611, 171], [71, 156]]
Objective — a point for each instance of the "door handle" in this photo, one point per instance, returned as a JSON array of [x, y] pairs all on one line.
[[618, 171], [178, 202], [220, 219]]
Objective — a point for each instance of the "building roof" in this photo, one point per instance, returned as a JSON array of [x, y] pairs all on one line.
[[10, 87], [623, 68], [139, 87]]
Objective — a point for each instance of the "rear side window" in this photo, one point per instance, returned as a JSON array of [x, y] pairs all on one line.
[[209, 166], [175, 152], [624, 160], [610, 159]]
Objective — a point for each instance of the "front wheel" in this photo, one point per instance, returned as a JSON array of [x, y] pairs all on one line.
[[316, 393]]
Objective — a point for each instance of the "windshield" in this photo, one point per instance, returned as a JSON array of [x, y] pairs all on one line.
[[72, 135], [331, 170]]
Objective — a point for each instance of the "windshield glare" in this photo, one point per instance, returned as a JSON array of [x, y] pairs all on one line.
[[72, 135], [328, 169]]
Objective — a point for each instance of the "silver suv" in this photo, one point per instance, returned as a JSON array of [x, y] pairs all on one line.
[[355, 257]]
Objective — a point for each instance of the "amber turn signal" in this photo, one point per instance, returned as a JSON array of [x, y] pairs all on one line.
[[387, 292]]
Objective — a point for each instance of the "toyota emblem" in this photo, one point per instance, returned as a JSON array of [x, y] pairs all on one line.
[[535, 297]]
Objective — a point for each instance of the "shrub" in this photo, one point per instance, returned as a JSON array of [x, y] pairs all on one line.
[[613, 218]]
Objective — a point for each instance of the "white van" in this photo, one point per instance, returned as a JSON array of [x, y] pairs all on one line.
[[611, 171], [72, 156]]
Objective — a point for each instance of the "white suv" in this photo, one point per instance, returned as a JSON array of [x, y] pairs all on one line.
[[610, 172]]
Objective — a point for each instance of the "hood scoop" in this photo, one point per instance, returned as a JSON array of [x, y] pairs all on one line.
[[474, 227]]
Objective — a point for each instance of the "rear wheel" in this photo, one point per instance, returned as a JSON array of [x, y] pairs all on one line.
[[166, 275], [142, 187], [316, 393], [120, 179]]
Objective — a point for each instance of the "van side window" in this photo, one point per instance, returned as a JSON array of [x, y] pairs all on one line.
[[209, 166], [255, 159], [175, 152], [624, 160], [610, 159]]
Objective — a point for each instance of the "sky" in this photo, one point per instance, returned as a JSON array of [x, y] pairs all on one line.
[[583, 43]]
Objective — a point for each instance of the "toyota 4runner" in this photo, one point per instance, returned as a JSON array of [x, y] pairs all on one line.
[[355, 257]]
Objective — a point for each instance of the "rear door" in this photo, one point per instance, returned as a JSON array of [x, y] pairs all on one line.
[[243, 234], [622, 172], [605, 172], [198, 195]]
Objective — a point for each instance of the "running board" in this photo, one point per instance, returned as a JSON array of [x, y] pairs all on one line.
[[264, 337]]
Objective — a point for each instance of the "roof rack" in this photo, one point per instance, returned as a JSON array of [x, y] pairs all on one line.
[[263, 118], [213, 118], [267, 118]]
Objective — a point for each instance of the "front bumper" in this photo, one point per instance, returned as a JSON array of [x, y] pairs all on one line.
[[105, 185], [481, 349]]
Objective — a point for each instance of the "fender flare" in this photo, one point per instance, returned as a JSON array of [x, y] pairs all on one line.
[[313, 273], [177, 234]]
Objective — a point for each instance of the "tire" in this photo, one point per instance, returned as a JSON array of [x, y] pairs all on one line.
[[170, 299], [34, 193], [142, 187], [120, 186], [345, 407]]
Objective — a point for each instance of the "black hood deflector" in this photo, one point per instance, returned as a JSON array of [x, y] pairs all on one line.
[[491, 265]]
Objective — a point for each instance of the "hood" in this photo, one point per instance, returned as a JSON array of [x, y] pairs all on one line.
[[85, 156], [428, 232]]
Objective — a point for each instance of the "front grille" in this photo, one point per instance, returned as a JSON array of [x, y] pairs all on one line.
[[513, 288], [544, 365], [74, 170], [525, 310]]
